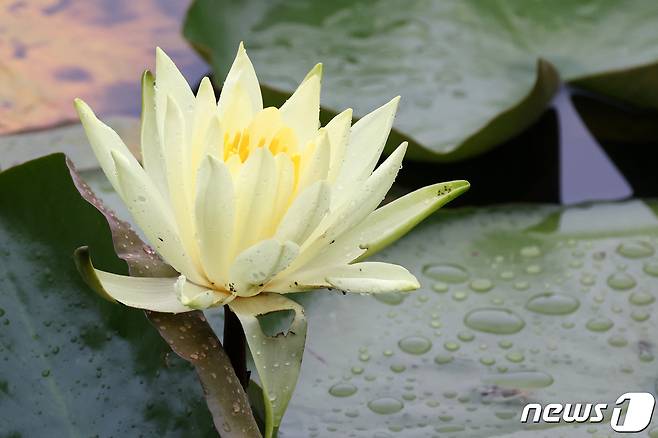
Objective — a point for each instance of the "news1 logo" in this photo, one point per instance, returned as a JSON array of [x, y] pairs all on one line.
[[639, 411]]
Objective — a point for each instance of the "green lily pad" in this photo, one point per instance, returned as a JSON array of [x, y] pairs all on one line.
[[73, 364], [468, 71], [519, 304]]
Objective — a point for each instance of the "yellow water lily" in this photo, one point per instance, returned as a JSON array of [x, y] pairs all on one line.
[[241, 199], [250, 203]]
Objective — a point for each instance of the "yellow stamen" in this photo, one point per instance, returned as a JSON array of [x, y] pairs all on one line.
[[244, 146], [266, 130]]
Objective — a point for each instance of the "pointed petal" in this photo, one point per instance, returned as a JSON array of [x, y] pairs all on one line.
[[153, 216], [387, 224], [258, 264], [171, 82], [285, 172], [305, 213], [158, 294], [238, 111], [204, 112], [352, 212], [368, 196], [339, 130], [104, 141], [215, 218], [255, 190], [364, 147], [315, 161], [302, 110], [371, 277], [285, 349], [180, 178], [242, 77], [213, 143], [152, 153]]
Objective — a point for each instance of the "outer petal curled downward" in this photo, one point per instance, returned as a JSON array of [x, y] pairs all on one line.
[[157, 294]]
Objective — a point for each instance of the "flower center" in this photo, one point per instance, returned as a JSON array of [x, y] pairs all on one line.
[[266, 130]]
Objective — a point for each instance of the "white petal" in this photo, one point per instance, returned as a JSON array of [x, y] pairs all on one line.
[[258, 264], [104, 141], [234, 165], [180, 178], [238, 111], [365, 146], [153, 216], [199, 298], [215, 218], [285, 184], [255, 191], [170, 82], [387, 224], [367, 197], [372, 277], [338, 129], [157, 294], [241, 78], [314, 164], [302, 110], [214, 139], [204, 112], [305, 213], [152, 153]]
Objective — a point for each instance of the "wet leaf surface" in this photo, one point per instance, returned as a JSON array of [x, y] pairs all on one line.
[[519, 304], [467, 71], [74, 364]]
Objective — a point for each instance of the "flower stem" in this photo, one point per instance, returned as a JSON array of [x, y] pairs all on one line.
[[235, 345]]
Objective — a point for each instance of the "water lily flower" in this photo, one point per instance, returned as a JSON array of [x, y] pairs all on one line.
[[249, 203], [241, 199]]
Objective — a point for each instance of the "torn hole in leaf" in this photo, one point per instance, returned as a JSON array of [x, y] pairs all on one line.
[[276, 323]]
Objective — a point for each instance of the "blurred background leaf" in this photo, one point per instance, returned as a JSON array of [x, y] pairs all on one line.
[[467, 70]]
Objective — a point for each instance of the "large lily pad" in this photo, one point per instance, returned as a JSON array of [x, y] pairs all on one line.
[[468, 71], [519, 304], [73, 364]]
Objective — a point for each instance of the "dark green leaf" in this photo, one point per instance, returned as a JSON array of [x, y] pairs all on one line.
[[467, 70], [72, 364]]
